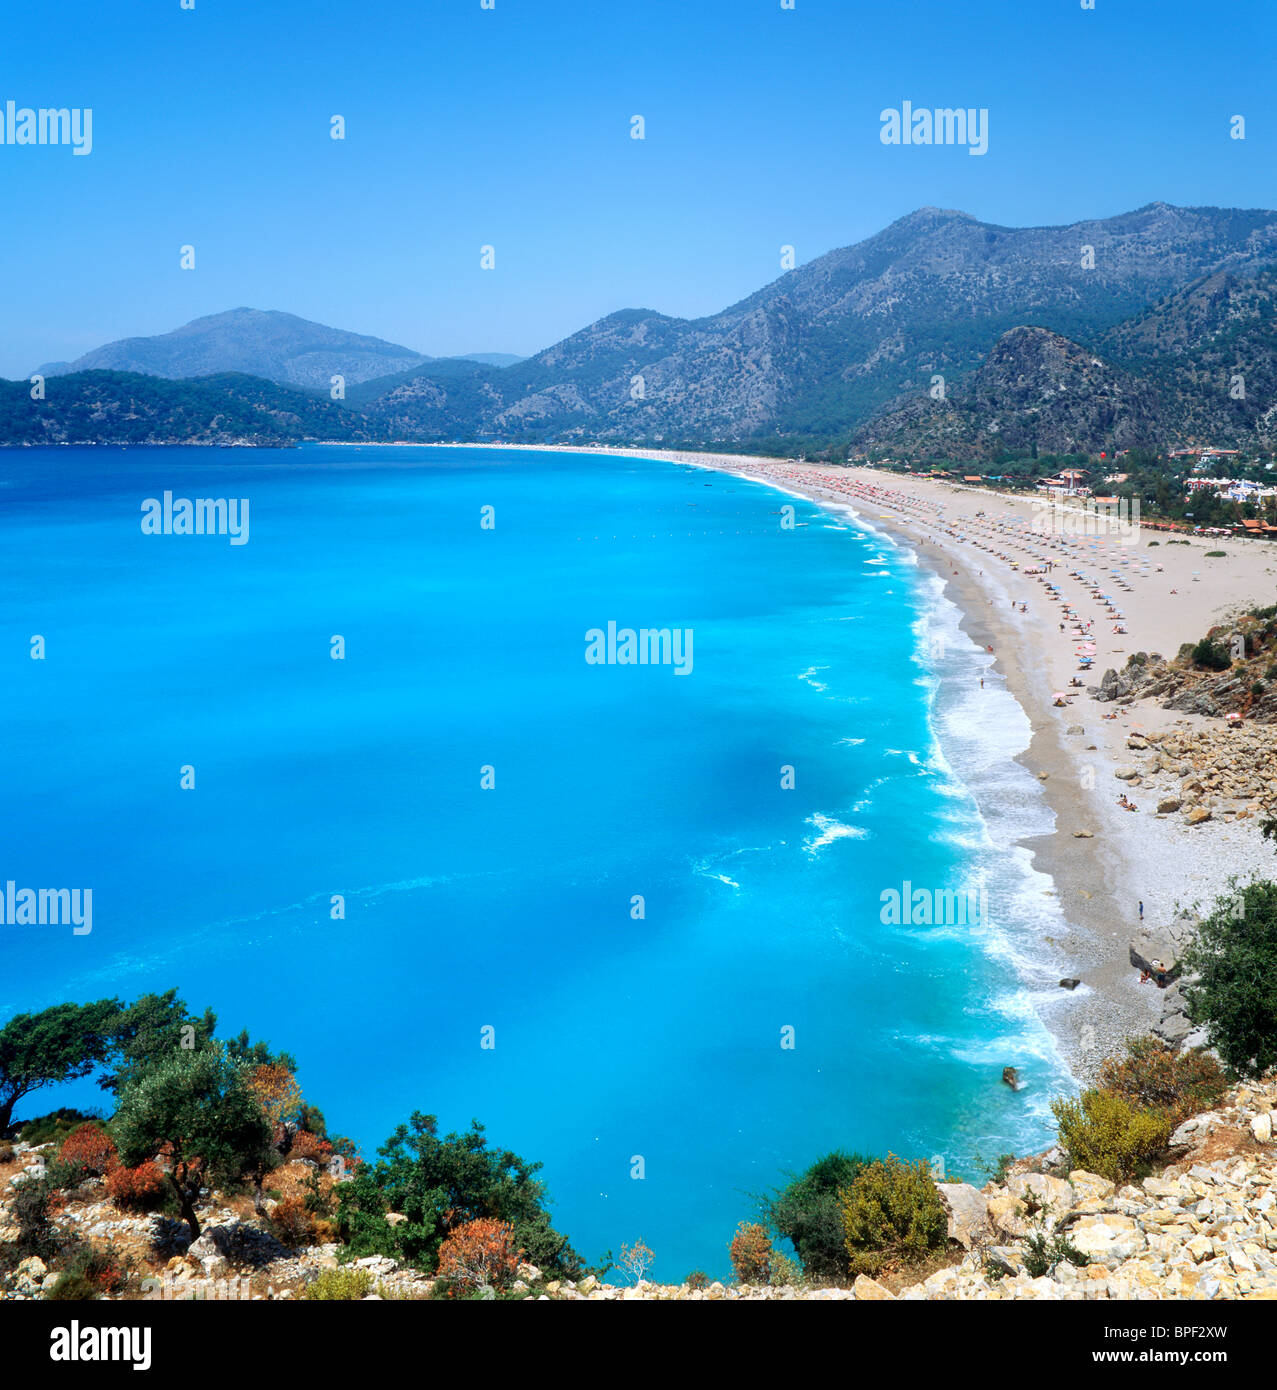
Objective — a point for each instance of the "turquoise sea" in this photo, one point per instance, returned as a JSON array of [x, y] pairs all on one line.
[[822, 648]]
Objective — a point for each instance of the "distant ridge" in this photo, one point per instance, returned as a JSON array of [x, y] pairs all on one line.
[[821, 352], [939, 336], [267, 343]]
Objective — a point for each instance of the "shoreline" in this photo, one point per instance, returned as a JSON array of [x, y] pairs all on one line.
[[1102, 860]]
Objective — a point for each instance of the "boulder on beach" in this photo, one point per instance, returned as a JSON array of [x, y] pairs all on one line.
[[1156, 958]]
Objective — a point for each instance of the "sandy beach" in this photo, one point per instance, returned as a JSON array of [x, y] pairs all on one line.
[[1112, 596]]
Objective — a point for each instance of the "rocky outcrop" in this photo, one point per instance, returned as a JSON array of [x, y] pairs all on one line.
[[1224, 772], [1035, 388], [1182, 685]]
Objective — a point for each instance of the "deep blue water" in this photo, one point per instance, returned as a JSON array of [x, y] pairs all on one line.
[[510, 908]]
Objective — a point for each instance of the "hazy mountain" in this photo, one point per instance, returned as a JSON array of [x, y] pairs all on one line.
[[822, 349], [489, 359], [260, 342]]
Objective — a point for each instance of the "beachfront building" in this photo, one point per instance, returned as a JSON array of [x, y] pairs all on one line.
[[1231, 489], [1069, 482]]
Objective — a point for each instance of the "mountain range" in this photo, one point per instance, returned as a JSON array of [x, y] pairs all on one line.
[[941, 336], [266, 343]]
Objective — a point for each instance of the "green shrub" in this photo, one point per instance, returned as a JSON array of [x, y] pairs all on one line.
[[90, 1274], [1000, 1171], [892, 1213], [31, 1211], [1234, 960], [808, 1214], [786, 1273], [1153, 1076], [1211, 656], [1216, 554], [56, 1126], [339, 1286], [1103, 1133], [64, 1175], [1042, 1254], [437, 1182], [697, 1279]]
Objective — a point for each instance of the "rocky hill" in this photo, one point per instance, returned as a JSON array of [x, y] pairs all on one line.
[[825, 347], [1209, 353], [266, 343], [1035, 389], [1199, 365]]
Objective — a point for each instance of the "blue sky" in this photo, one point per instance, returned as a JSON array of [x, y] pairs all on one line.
[[511, 127]]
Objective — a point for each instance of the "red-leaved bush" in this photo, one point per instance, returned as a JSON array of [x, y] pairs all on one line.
[[306, 1145], [480, 1253], [751, 1253], [90, 1148], [137, 1188]]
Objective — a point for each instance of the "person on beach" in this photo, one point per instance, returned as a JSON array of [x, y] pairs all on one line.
[[1141, 909]]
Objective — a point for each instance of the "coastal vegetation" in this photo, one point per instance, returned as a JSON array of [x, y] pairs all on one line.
[[807, 1213], [1103, 1133], [1154, 1077], [194, 1115], [106, 407], [1232, 978], [892, 1214], [751, 1253], [439, 1184]]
